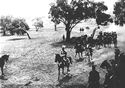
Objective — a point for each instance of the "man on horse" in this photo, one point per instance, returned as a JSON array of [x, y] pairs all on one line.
[[64, 53], [79, 49]]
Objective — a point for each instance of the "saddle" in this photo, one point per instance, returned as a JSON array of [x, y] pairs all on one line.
[[65, 60]]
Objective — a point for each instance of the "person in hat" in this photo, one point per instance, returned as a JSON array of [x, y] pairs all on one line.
[[93, 79], [64, 53], [117, 53]]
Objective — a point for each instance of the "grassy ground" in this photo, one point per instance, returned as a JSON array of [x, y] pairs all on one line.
[[33, 61]]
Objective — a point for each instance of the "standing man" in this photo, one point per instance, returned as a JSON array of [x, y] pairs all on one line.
[[93, 79], [117, 53]]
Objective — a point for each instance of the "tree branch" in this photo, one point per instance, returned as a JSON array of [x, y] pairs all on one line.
[[76, 23], [63, 20]]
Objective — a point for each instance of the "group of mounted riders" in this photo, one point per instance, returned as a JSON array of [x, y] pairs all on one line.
[[106, 39], [86, 43], [102, 39]]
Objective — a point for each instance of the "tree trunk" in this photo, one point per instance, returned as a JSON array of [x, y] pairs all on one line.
[[4, 33], [93, 33], [68, 33], [37, 28], [11, 32], [55, 27], [28, 35]]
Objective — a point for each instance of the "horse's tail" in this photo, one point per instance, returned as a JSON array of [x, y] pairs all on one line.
[[56, 57]]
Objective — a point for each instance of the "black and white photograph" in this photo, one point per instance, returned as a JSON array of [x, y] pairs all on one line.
[[62, 43]]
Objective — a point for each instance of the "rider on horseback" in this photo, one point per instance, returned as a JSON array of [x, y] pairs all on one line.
[[64, 53]]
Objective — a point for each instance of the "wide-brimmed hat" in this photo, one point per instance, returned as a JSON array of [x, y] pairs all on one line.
[[63, 46]]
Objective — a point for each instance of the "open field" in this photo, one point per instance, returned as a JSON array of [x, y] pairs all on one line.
[[33, 60]]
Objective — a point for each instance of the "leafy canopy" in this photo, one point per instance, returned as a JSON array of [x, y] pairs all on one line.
[[119, 11], [77, 11]]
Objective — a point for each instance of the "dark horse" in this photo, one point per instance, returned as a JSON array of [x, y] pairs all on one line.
[[62, 63], [105, 65], [3, 59], [79, 50]]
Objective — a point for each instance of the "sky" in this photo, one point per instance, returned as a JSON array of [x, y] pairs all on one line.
[[24, 8], [30, 9]]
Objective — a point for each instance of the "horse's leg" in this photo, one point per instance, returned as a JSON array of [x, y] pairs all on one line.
[[62, 70], [115, 44], [76, 55], [91, 55], [2, 71], [68, 69], [58, 73], [79, 55], [88, 59]]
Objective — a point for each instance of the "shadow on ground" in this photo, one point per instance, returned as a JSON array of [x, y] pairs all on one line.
[[80, 59], [60, 43], [75, 86], [68, 44], [14, 39], [63, 83], [3, 78], [64, 80]]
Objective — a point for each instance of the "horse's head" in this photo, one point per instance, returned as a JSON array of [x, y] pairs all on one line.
[[105, 64], [5, 57], [57, 57]]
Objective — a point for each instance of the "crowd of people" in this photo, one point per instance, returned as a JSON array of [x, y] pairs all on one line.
[[103, 39], [106, 39], [114, 77]]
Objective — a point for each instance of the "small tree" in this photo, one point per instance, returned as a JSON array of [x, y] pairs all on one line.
[[53, 19], [102, 19], [38, 23], [56, 22]]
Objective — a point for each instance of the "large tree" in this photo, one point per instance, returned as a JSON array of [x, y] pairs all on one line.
[[119, 11], [72, 14]]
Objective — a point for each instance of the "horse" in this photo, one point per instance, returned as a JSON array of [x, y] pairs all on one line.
[[62, 63], [3, 59], [79, 50]]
